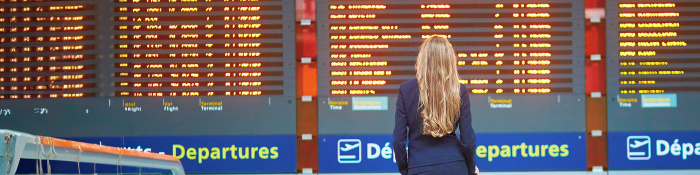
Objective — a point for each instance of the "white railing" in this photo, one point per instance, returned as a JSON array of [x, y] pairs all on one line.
[[17, 145]]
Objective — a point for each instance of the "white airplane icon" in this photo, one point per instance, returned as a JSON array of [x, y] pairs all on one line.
[[637, 143], [349, 147]]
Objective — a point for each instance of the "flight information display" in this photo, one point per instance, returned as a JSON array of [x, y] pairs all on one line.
[[47, 50], [198, 49], [653, 66], [222, 67], [515, 57]]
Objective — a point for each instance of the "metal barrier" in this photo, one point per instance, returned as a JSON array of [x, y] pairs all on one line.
[[17, 145]]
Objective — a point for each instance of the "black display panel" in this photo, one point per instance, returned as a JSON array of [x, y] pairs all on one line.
[[137, 67], [521, 61], [653, 65]]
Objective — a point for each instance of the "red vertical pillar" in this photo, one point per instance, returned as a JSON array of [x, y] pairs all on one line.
[[596, 107], [307, 111]]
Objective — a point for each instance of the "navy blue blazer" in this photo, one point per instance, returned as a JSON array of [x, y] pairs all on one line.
[[425, 149]]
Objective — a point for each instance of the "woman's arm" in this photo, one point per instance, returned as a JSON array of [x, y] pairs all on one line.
[[399, 143], [467, 137]]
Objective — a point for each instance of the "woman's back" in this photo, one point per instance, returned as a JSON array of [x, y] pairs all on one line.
[[428, 111]]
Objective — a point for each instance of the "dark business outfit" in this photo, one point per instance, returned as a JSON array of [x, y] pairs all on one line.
[[427, 154]]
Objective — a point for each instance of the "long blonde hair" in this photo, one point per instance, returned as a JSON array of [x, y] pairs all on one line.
[[438, 81]]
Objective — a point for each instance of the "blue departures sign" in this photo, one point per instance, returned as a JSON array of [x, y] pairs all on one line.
[[654, 150], [226, 154], [494, 152], [198, 154]]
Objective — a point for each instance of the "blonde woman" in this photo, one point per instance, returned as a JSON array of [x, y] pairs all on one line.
[[428, 111]]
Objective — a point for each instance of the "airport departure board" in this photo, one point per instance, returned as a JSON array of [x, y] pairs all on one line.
[[202, 49], [653, 65], [221, 66], [47, 50], [515, 57]]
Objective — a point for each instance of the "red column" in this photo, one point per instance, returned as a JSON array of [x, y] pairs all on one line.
[[307, 112], [596, 108]]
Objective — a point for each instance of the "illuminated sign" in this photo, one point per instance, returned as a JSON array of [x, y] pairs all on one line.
[[648, 34], [172, 62], [531, 52], [369, 50], [652, 61], [42, 55], [494, 152], [654, 150], [183, 48]]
